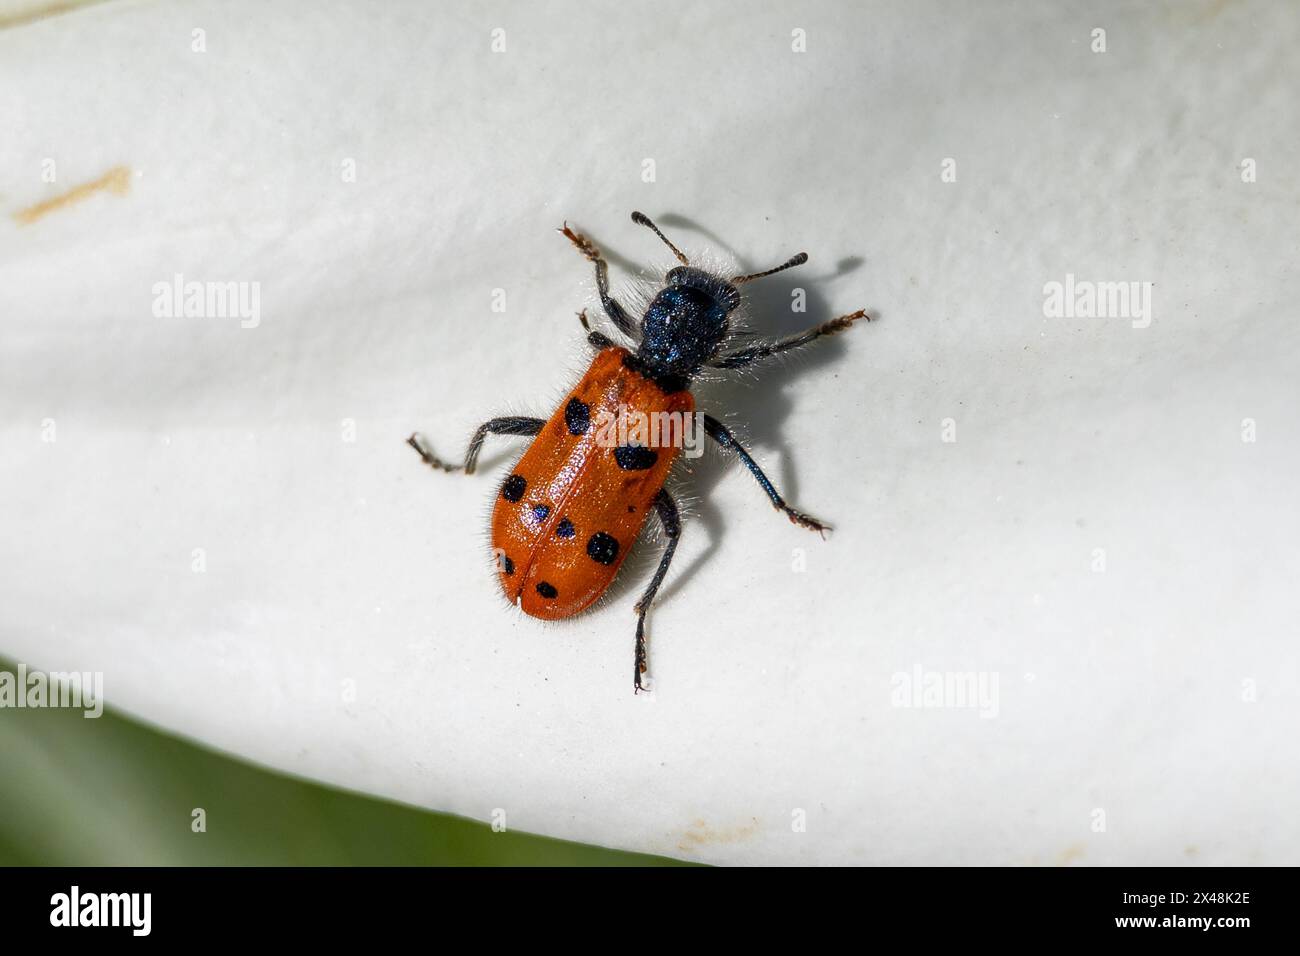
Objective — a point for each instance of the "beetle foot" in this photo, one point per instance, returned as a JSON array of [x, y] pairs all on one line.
[[428, 457], [807, 521], [585, 245], [843, 322]]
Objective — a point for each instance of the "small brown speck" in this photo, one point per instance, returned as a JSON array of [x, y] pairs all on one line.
[[117, 180]]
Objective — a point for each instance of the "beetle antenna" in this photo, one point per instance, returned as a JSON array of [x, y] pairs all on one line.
[[790, 263], [641, 219]]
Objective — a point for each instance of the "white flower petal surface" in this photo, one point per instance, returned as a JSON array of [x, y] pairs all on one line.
[[1055, 620]]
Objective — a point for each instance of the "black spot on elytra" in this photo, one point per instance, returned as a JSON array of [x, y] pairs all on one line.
[[634, 457], [507, 566], [547, 590], [565, 528], [513, 488], [577, 415], [540, 512], [631, 508], [602, 548]]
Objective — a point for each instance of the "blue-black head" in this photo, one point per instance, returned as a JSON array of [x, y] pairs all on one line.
[[688, 319]]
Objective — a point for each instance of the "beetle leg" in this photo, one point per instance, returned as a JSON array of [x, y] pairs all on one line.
[[615, 311], [742, 357], [672, 525], [516, 425], [719, 433], [597, 340]]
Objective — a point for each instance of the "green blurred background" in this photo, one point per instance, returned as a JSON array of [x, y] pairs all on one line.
[[115, 792]]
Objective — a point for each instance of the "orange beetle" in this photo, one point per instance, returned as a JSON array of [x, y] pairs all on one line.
[[567, 515]]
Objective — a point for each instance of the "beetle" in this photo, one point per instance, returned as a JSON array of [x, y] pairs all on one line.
[[566, 516]]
